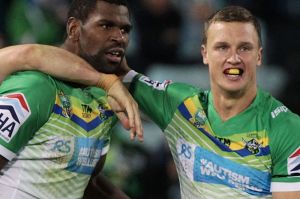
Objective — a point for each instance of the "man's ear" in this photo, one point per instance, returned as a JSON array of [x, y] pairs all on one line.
[[73, 29], [259, 56], [204, 54]]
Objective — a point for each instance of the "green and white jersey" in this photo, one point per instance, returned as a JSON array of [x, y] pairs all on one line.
[[248, 156], [53, 135]]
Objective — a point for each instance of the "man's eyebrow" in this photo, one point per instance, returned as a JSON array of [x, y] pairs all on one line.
[[105, 21], [245, 43], [129, 25], [221, 43], [240, 44]]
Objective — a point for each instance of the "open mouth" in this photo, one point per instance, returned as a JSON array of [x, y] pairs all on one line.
[[115, 55], [234, 72]]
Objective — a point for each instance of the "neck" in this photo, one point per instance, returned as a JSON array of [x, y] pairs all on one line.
[[229, 105], [69, 46]]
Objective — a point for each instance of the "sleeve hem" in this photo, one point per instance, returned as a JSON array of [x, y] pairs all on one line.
[[285, 186], [6, 153], [129, 76]]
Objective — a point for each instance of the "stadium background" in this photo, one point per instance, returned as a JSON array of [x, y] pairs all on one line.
[[165, 44]]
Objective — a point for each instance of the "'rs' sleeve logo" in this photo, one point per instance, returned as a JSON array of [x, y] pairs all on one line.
[[14, 111]]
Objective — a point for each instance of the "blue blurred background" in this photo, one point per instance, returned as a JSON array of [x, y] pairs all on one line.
[[165, 44]]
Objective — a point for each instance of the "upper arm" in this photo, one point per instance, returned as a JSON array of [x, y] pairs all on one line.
[[285, 152], [159, 100], [26, 101], [52, 60], [16, 58]]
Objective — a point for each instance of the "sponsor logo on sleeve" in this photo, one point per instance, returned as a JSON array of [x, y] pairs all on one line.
[[278, 110], [14, 110], [155, 84], [294, 163]]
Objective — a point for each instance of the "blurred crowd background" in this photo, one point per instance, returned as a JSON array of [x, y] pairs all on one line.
[[165, 44]]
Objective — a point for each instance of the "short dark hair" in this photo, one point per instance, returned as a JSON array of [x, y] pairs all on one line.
[[232, 14], [80, 9]]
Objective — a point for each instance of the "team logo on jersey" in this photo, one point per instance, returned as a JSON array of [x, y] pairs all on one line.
[[104, 110], [294, 163], [198, 119], [66, 105], [14, 110], [253, 146], [86, 111], [102, 114], [224, 141], [155, 84]]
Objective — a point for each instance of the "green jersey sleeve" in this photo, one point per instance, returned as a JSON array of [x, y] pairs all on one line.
[[158, 100], [26, 101], [285, 149]]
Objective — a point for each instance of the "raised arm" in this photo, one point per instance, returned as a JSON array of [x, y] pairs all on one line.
[[69, 67], [48, 59]]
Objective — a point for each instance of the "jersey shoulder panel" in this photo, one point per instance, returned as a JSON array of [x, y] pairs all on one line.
[[26, 103], [160, 99], [183, 91], [284, 135]]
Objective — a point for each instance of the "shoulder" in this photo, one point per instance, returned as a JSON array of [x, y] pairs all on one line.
[[277, 113], [27, 100], [183, 90], [282, 124], [27, 78], [37, 89]]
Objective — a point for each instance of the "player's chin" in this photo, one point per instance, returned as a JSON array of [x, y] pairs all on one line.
[[111, 68]]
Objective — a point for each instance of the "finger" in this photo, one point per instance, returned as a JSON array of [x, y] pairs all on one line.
[[132, 133], [126, 103], [131, 117], [123, 120], [130, 114], [128, 120], [138, 123], [135, 118]]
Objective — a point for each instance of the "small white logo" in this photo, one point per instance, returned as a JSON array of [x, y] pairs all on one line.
[[279, 110], [155, 84]]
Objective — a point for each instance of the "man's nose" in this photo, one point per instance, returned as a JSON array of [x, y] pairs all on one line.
[[234, 57], [118, 35]]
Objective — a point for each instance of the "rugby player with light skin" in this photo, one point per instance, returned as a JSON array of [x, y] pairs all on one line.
[[235, 140], [55, 135]]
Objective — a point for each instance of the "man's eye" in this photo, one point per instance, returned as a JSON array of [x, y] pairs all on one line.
[[245, 48], [221, 48], [125, 30], [105, 26]]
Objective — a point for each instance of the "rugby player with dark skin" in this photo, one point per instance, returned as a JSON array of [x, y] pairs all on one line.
[[100, 36]]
